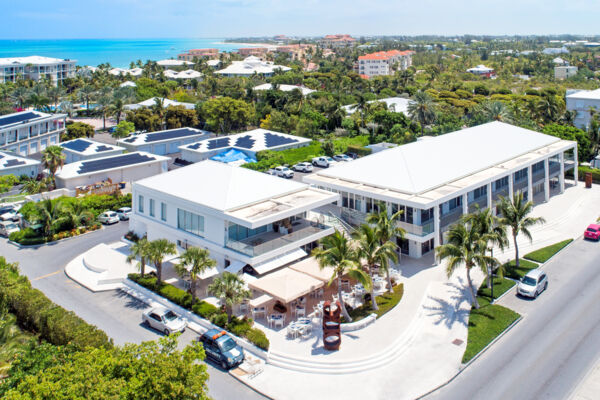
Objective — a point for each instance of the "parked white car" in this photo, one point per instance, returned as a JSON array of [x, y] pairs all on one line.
[[342, 157], [303, 167], [124, 213], [533, 283], [8, 227], [164, 320], [108, 217], [11, 215], [323, 162], [283, 172]]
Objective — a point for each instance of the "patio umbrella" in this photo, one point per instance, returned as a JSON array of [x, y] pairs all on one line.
[[286, 284]]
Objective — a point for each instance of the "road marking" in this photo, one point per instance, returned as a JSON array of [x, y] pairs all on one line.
[[47, 275]]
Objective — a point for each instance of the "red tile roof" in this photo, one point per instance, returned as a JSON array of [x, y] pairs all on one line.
[[385, 55]]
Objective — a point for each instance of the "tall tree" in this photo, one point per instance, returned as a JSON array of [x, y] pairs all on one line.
[[159, 249], [140, 250], [194, 261], [336, 252], [231, 289], [422, 109], [53, 159]]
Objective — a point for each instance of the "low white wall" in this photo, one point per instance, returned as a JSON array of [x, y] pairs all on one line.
[[354, 326]]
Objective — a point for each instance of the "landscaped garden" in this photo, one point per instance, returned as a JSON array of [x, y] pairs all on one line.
[[545, 253], [385, 301], [517, 273]]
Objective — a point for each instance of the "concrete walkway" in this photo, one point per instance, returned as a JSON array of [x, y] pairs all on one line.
[[589, 387]]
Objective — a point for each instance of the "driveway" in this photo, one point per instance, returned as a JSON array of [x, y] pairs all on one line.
[[115, 312]]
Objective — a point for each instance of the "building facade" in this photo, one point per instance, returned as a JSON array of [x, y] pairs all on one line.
[[580, 101], [36, 68], [564, 72], [242, 217], [434, 182], [337, 41], [30, 132], [381, 63], [198, 53], [12, 164]]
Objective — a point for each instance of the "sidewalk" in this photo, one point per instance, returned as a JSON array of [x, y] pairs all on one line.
[[589, 387]]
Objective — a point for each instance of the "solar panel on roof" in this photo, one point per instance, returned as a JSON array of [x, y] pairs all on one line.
[[13, 162], [113, 162], [273, 140], [218, 143], [130, 140], [170, 134], [78, 145], [1, 155], [13, 119], [245, 142], [195, 146], [102, 148]]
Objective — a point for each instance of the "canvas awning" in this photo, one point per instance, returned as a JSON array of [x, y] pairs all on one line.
[[310, 266], [277, 262], [286, 285], [265, 298], [235, 266]]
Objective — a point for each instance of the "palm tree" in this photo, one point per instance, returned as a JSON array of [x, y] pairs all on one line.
[[46, 214], [231, 289], [86, 93], [158, 250], [194, 261], [141, 250], [465, 246], [336, 252], [33, 186], [497, 111], [515, 213], [53, 159], [20, 96], [74, 214], [422, 109], [373, 253]]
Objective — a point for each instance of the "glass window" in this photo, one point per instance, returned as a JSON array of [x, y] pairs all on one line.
[[141, 203], [190, 222], [163, 211], [409, 215], [151, 206]]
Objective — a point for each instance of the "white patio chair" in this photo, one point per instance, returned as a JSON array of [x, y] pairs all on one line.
[[279, 322], [292, 330], [300, 312], [305, 330]]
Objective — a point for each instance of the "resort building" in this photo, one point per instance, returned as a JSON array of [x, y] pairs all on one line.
[[284, 88], [395, 104], [12, 164], [213, 63], [297, 51], [85, 149], [30, 132], [555, 50], [174, 63], [242, 217], [126, 168], [565, 72], [36, 68], [435, 181], [250, 66], [254, 51], [198, 53], [165, 103], [482, 70], [336, 41], [581, 101], [382, 62], [163, 142], [249, 143], [188, 74], [134, 72]]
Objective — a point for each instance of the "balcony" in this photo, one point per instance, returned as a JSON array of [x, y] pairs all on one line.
[[356, 218], [265, 242], [451, 217], [481, 201]]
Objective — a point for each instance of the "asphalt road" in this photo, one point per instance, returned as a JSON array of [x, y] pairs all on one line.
[[546, 354], [115, 312]]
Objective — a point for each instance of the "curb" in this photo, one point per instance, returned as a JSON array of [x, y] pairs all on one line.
[[249, 385], [558, 252], [475, 357], [54, 242]]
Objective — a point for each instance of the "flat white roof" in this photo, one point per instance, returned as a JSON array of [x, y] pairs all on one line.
[[252, 65], [106, 164], [165, 102], [10, 161], [285, 88], [424, 165], [173, 63], [396, 104], [254, 141], [86, 147], [220, 186], [34, 60], [10, 121], [585, 95], [165, 136]]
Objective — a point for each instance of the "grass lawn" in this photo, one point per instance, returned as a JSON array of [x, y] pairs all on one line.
[[484, 295], [517, 273], [386, 302], [486, 324], [542, 255]]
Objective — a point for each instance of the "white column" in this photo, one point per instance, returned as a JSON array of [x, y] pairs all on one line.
[[576, 166], [465, 203], [489, 197], [561, 175], [529, 183], [510, 186], [546, 180], [436, 225]]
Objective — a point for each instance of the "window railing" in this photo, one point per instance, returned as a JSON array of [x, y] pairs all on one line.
[[451, 216]]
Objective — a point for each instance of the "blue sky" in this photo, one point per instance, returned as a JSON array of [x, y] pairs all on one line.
[[234, 18]]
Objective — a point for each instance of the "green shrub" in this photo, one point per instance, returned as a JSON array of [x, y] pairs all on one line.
[[36, 313], [361, 151], [204, 309], [219, 319], [258, 338], [176, 295], [239, 327], [545, 253]]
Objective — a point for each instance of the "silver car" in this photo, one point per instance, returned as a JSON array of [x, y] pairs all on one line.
[[108, 217], [164, 320], [124, 213], [532, 284], [303, 167]]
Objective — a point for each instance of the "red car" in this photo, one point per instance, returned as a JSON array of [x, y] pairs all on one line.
[[592, 232]]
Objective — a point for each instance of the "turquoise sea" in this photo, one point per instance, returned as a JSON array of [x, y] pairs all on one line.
[[118, 52]]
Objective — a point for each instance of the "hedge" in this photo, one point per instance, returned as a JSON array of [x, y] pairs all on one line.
[[581, 173], [361, 151], [545, 253], [36, 313], [239, 327]]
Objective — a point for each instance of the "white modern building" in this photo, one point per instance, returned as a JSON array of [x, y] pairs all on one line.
[[250, 66], [565, 72], [188, 74], [36, 68], [12, 164], [250, 143], [436, 181], [395, 104], [165, 103], [381, 63], [555, 50], [127, 168], [173, 63], [135, 72], [163, 142], [85, 149], [481, 70], [242, 217], [30, 132], [581, 101], [284, 88]]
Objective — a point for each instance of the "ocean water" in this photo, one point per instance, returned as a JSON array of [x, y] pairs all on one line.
[[117, 52]]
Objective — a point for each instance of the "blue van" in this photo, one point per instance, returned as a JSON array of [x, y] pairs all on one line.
[[221, 347]]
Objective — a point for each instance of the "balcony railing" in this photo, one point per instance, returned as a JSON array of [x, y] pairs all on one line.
[[481, 201], [269, 241], [354, 217], [450, 217]]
